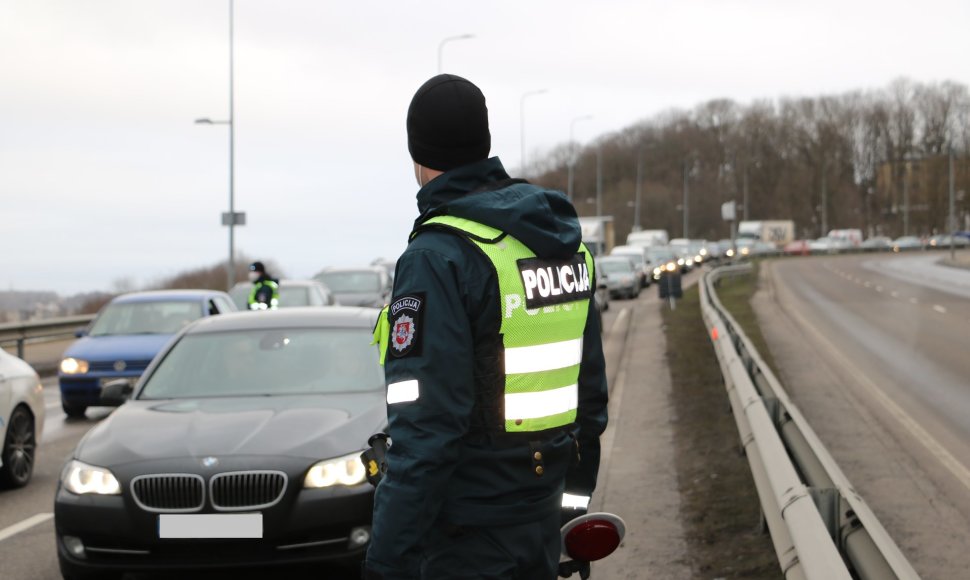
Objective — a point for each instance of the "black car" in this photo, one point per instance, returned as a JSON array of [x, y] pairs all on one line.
[[240, 446]]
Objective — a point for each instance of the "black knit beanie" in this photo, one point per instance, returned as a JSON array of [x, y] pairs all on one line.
[[448, 124]]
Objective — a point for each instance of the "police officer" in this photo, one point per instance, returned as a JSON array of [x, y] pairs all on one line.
[[265, 293], [496, 385]]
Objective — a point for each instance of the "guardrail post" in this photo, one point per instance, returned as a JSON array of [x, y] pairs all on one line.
[[20, 347]]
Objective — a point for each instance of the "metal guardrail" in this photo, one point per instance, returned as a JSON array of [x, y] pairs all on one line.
[[820, 526], [22, 332]]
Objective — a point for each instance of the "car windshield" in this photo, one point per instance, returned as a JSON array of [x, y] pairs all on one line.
[[158, 317], [616, 267], [294, 296], [272, 362], [362, 281]]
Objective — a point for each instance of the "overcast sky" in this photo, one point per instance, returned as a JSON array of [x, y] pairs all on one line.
[[104, 176]]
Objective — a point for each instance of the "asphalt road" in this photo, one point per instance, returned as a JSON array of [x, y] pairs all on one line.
[[874, 350], [27, 545]]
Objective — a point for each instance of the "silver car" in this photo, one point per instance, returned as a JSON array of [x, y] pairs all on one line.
[[21, 420], [622, 277]]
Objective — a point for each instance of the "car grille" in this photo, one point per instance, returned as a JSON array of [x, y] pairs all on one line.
[[245, 490], [169, 492], [131, 366]]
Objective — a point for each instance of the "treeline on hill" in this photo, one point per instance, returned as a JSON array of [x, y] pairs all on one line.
[[873, 160], [206, 277]]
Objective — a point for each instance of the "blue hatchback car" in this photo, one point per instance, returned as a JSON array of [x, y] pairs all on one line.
[[125, 336]]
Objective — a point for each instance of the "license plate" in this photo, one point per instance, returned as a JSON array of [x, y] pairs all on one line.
[[212, 526]]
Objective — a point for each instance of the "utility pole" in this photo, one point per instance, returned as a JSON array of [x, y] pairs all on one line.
[[952, 218], [599, 180], [636, 201], [686, 198], [825, 208], [744, 187], [905, 197]]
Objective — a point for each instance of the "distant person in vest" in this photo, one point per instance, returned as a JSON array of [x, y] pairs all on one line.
[[265, 294], [496, 382]]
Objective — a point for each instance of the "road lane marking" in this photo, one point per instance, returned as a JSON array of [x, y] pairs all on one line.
[[24, 525], [914, 301], [939, 309], [867, 284], [935, 449], [894, 294], [878, 288]]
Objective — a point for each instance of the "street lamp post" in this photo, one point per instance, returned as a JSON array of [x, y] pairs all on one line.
[[686, 198], [232, 218], [572, 154], [441, 46], [636, 202], [522, 122], [599, 180]]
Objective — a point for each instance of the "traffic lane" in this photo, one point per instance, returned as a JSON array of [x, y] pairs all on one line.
[[57, 425], [848, 401], [30, 553], [903, 344]]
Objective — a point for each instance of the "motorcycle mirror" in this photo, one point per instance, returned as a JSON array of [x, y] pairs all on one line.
[[592, 537]]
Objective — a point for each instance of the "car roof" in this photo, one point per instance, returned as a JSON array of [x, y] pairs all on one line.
[[166, 295], [298, 317], [285, 282], [375, 269]]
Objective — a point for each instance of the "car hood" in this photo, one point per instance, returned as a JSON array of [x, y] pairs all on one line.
[[311, 426], [118, 347]]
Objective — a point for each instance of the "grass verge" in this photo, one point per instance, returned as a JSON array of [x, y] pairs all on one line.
[[719, 501], [735, 293]]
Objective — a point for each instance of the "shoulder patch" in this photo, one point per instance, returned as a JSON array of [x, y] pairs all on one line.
[[406, 315], [551, 282]]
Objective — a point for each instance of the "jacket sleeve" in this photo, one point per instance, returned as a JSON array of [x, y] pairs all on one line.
[[425, 432], [591, 416]]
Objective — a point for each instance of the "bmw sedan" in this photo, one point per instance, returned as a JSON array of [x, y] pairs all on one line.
[[240, 446], [21, 420], [125, 336]]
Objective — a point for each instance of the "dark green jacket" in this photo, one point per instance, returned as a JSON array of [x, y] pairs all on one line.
[[443, 467]]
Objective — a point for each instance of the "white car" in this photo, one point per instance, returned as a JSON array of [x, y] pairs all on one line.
[[21, 420]]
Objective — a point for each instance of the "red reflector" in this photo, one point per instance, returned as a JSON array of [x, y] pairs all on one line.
[[714, 333], [592, 540]]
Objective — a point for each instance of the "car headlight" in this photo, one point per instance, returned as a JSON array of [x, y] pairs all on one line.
[[346, 470], [74, 366], [671, 266], [745, 251], [80, 478], [729, 253], [657, 271], [680, 261]]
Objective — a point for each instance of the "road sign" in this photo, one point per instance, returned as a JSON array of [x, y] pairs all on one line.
[[727, 211], [239, 221]]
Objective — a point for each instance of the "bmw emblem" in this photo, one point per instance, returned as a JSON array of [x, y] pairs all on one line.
[[210, 462], [120, 365]]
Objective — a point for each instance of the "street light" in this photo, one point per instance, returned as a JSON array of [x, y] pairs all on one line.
[[522, 122], [232, 218], [572, 154], [441, 45]]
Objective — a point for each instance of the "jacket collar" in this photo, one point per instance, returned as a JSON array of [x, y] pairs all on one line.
[[434, 197]]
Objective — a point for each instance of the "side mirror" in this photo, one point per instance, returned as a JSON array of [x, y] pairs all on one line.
[[116, 392], [81, 332]]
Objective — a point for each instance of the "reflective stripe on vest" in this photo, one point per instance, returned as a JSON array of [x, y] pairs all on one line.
[[544, 304]]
